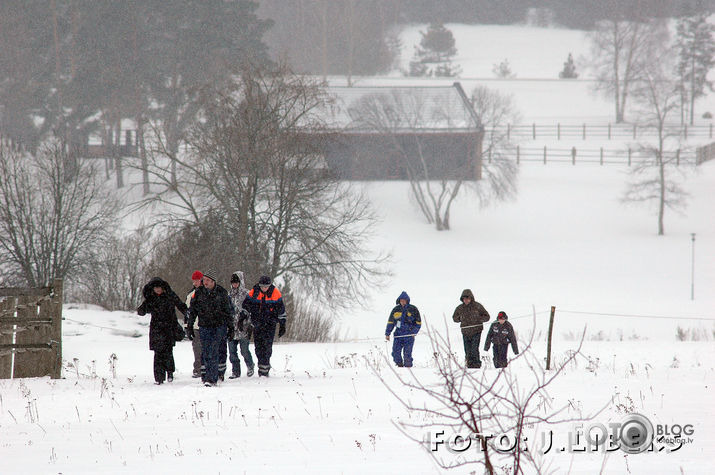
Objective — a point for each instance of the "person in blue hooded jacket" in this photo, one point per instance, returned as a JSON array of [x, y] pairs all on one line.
[[406, 321]]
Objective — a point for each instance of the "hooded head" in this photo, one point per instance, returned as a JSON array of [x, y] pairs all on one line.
[[155, 282], [238, 277], [403, 295], [466, 293], [503, 315]]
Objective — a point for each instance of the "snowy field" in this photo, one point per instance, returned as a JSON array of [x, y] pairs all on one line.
[[564, 241]]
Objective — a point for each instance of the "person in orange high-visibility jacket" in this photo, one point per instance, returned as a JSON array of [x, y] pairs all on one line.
[[264, 303], [406, 321]]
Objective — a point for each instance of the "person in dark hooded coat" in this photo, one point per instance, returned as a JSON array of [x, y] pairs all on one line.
[[471, 316], [160, 301], [405, 319]]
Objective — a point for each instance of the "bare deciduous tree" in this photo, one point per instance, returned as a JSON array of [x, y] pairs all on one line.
[[619, 52], [656, 179], [480, 407], [119, 272], [53, 211], [437, 171], [254, 167]]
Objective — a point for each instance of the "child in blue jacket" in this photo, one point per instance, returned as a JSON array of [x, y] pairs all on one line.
[[406, 321]]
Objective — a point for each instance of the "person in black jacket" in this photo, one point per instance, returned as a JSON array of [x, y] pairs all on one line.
[[265, 307], [501, 334], [160, 301], [211, 305]]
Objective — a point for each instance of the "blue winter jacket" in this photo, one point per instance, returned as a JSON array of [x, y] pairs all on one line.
[[405, 320]]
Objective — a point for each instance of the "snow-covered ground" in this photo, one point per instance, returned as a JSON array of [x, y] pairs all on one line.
[[565, 241]]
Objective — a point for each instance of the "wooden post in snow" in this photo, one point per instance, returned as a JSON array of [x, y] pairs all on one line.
[[548, 344]]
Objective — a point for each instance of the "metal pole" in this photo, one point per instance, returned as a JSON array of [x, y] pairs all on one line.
[[692, 269]]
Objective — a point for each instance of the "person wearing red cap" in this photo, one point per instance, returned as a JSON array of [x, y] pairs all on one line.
[[199, 367], [501, 334]]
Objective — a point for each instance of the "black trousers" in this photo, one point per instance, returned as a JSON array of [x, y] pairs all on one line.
[[500, 360], [163, 363], [263, 346], [471, 350]]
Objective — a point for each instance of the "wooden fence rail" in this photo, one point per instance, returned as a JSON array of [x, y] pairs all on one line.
[[600, 155], [31, 331], [607, 131]]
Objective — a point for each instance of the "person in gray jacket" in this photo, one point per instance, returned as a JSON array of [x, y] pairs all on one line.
[[241, 338]]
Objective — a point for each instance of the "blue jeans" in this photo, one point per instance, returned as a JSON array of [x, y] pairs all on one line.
[[211, 339], [402, 344], [233, 346]]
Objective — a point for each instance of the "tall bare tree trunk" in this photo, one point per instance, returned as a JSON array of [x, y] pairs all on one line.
[[324, 5]]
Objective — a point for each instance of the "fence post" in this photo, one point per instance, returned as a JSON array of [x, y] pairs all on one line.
[[609, 131], [544, 154], [601, 155], [490, 155], [558, 131], [711, 130], [56, 332], [686, 131], [629, 156], [677, 157], [517, 154], [548, 344], [584, 131], [634, 131], [573, 155], [508, 131], [533, 130]]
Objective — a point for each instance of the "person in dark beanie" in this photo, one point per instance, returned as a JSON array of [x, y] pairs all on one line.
[[264, 304], [199, 367], [471, 316], [501, 334], [238, 292], [405, 319], [160, 301], [211, 305]]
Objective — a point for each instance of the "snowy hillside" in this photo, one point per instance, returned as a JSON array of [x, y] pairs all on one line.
[[564, 241]]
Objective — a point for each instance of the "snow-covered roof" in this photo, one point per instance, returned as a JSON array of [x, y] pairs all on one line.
[[400, 108]]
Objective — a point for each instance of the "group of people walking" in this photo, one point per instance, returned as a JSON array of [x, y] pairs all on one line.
[[226, 321], [406, 322]]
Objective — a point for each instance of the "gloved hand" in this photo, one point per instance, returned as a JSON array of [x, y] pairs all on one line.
[[241, 326], [230, 332], [190, 333], [282, 329], [387, 337]]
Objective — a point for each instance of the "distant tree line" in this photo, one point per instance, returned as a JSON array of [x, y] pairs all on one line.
[[74, 67], [580, 14]]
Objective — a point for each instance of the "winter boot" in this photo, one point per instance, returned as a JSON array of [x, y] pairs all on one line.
[[249, 371], [234, 376], [263, 370], [170, 377]]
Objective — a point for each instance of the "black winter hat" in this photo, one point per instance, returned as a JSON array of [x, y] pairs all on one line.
[[234, 278], [502, 314], [264, 280]]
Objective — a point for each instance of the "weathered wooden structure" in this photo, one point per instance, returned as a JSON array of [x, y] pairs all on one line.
[[379, 133], [31, 331]]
